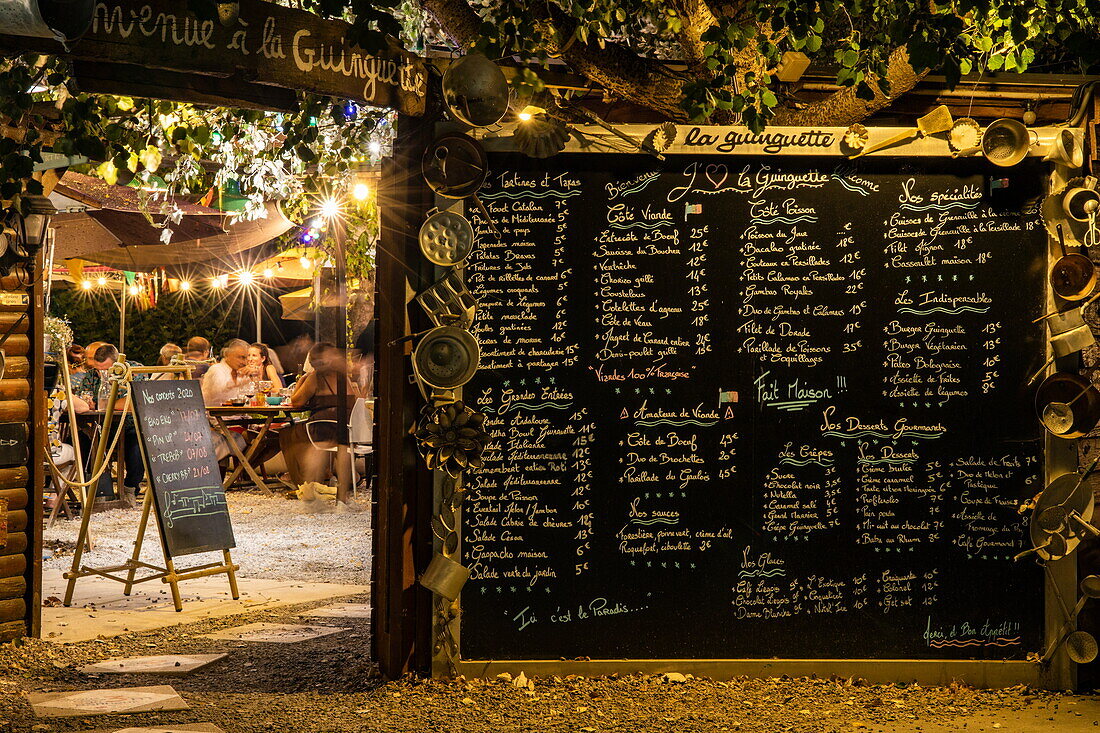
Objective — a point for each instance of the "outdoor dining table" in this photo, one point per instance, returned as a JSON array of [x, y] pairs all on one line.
[[222, 416]]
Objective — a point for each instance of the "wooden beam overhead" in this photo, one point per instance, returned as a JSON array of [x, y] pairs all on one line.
[[135, 81]]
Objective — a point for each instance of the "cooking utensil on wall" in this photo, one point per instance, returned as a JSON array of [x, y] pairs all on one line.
[[1005, 143], [1074, 405], [1074, 208], [448, 302], [446, 238], [1064, 509], [446, 357], [475, 91], [1067, 148], [1068, 334], [455, 167], [1073, 276], [936, 121], [965, 134]]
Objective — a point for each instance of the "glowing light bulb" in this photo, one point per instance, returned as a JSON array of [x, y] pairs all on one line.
[[306, 263], [101, 281], [330, 208], [223, 280], [86, 285], [360, 191], [135, 289], [245, 277], [185, 284], [268, 273], [374, 147], [528, 113]]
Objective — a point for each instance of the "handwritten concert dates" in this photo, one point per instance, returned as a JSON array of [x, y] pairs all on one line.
[[183, 468], [745, 409]]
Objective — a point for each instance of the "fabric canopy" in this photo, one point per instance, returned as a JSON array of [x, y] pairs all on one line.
[[115, 231]]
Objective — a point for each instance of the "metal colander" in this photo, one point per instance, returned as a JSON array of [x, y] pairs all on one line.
[[1006, 142], [1081, 647]]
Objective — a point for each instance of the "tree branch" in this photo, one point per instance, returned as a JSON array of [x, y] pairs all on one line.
[[614, 67], [844, 107]]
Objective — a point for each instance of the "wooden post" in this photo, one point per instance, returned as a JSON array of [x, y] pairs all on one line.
[[401, 623], [35, 467]]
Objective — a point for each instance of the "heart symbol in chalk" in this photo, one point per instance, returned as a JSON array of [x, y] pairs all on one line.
[[717, 174]]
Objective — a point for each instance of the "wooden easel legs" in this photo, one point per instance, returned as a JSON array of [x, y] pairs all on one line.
[[167, 574]]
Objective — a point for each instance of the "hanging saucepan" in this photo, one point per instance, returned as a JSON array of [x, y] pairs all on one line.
[[1073, 276], [446, 238], [1068, 405], [1005, 143], [455, 166], [446, 357]]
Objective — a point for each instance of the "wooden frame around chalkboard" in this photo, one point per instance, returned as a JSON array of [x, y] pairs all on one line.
[[1060, 456]]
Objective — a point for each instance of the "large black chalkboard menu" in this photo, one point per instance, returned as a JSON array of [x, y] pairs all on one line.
[[190, 503], [754, 408]]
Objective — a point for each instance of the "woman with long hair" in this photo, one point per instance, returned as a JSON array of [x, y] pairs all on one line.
[[317, 392], [259, 359]]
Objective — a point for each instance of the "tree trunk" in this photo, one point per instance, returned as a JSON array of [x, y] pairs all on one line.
[[845, 108]]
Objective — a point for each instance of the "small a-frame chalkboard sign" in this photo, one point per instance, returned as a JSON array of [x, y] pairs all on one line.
[[185, 488], [183, 470]]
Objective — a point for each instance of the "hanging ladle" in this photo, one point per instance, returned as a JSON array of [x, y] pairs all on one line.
[[1058, 416]]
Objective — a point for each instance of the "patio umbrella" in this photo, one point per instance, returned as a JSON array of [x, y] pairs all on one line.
[[113, 231]]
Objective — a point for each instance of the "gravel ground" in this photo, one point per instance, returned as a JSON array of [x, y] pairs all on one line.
[[276, 539], [327, 685]]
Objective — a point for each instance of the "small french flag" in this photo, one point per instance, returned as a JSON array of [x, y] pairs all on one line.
[[693, 209]]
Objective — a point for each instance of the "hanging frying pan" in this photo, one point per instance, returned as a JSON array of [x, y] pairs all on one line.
[[446, 238], [1067, 405], [446, 357], [1073, 276], [455, 166]]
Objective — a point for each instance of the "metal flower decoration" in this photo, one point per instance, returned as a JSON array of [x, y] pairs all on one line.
[[452, 437]]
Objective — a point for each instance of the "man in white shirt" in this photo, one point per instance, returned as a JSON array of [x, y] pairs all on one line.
[[227, 379]]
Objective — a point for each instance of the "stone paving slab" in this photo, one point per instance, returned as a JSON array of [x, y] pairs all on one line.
[[340, 610], [275, 633], [165, 664], [105, 702], [100, 609]]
